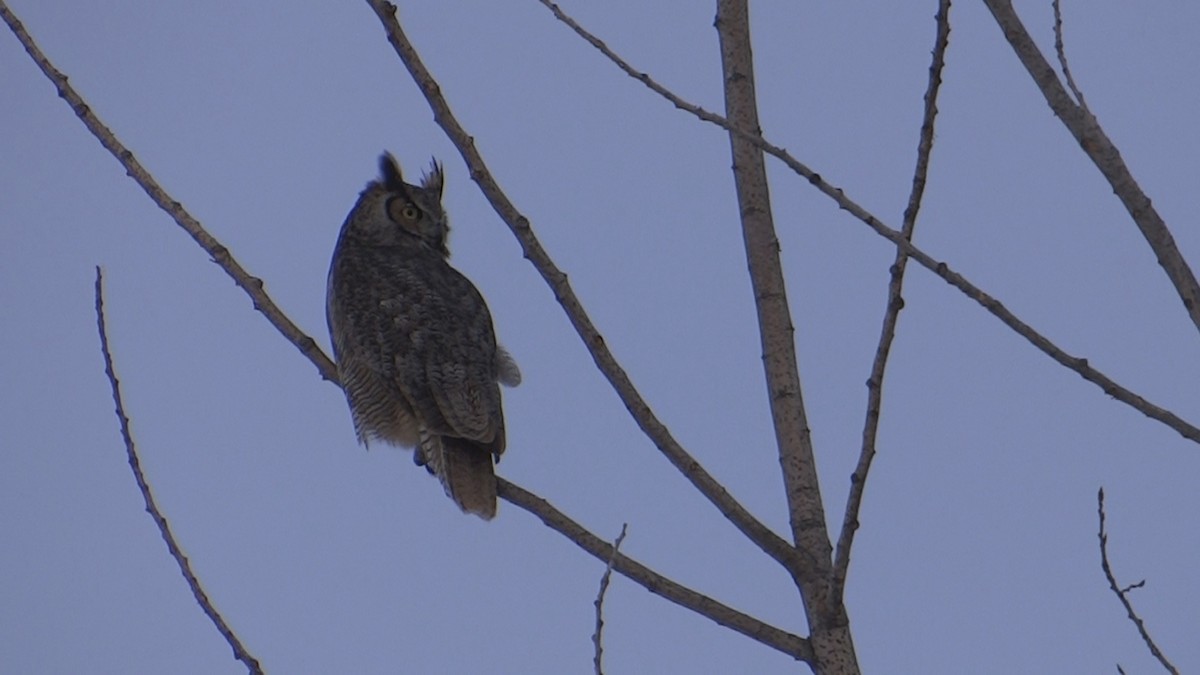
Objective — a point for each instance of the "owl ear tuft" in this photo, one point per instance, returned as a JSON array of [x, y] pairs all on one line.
[[389, 172], [434, 179]]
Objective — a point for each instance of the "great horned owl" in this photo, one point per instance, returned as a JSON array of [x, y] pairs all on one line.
[[413, 338]]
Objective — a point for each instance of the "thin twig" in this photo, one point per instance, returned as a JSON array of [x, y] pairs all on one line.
[[239, 650], [1061, 49], [253, 286], [941, 269], [792, 645], [770, 542], [597, 637], [787, 643], [1122, 593], [858, 480], [1103, 153]]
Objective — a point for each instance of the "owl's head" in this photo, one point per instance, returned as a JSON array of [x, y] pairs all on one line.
[[391, 212]]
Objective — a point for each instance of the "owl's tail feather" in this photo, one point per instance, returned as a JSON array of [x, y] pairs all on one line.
[[465, 470]]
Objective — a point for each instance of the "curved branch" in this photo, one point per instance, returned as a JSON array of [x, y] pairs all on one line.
[[772, 544], [239, 650]]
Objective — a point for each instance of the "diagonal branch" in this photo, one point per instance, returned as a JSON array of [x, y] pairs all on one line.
[[793, 645], [771, 543], [1123, 593], [896, 237], [858, 479], [787, 643], [1103, 153], [253, 286], [239, 650]]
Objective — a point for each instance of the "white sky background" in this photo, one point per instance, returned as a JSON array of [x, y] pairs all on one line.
[[978, 549]]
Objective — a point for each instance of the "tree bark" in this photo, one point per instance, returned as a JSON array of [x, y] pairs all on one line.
[[827, 619]]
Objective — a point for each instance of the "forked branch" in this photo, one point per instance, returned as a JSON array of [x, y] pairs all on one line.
[[1060, 48], [1103, 153], [1122, 592]]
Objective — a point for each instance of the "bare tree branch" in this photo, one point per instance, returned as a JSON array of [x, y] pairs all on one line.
[[1123, 593], [788, 643], [1061, 49], [597, 637], [778, 336], [827, 620], [253, 286], [792, 645], [772, 544], [239, 650], [858, 479], [828, 623], [1103, 153], [657, 88], [941, 269]]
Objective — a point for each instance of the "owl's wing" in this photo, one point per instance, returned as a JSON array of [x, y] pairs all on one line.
[[469, 401]]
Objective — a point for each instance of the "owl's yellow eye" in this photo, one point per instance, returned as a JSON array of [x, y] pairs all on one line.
[[404, 211]]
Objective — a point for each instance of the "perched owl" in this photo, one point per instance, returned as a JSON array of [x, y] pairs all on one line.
[[413, 338]]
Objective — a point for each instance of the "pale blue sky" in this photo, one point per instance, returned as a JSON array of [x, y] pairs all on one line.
[[978, 547]]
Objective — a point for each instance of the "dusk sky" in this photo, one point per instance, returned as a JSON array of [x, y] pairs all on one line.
[[978, 549]]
